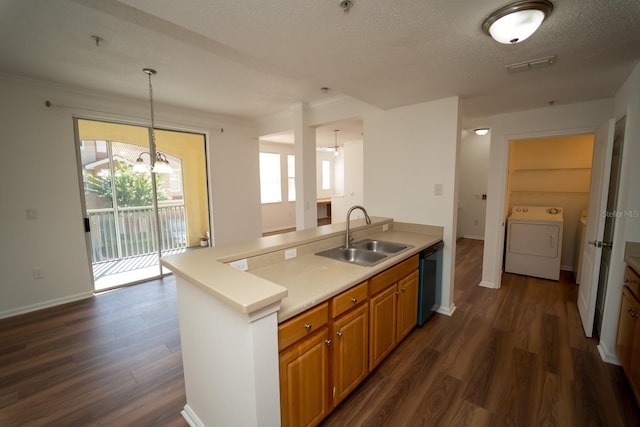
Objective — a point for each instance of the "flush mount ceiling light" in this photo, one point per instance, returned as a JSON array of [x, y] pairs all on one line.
[[481, 131], [517, 21]]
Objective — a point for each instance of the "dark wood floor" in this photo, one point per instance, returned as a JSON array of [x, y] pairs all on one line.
[[514, 356]]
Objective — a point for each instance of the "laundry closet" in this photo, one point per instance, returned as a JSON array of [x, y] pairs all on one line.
[[551, 176]]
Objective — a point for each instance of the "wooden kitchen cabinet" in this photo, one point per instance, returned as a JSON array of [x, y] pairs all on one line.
[[382, 325], [393, 308], [323, 356], [304, 381], [305, 391], [628, 337], [407, 305], [350, 351]]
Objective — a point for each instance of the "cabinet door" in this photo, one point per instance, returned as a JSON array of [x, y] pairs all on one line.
[[634, 355], [304, 381], [382, 329], [350, 351], [407, 305], [624, 340]]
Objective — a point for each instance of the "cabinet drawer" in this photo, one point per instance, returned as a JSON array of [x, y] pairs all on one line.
[[632, 281], [381, 281], [348, 299], [302, 325]]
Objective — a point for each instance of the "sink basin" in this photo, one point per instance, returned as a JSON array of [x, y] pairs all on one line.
[[381, 246], [367, 252], [354, 255]]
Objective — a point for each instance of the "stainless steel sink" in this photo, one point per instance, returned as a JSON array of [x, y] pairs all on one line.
[[381, 246], [354, 255], [367, 252]]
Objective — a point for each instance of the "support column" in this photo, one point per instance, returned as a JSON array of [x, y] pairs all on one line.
[[305, 152]]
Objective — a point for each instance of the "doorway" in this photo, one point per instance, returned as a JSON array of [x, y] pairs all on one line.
[[133, 216], [609, 222]]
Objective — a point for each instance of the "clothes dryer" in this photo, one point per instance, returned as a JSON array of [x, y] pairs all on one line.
[[534, 241]]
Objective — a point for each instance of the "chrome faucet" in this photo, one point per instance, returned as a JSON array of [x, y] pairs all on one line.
[[347, 237]]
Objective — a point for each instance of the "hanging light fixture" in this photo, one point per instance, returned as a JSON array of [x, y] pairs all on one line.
[[517, 21], [160, 164], [335, 147]]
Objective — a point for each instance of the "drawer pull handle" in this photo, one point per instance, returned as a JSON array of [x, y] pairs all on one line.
[[354, 300], [307, 326], [626, 280], [397, 293], [328, 342], [339, 333], [404, 289]]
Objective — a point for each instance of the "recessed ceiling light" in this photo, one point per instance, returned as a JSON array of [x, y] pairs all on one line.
[[481, 131], [517, 21]]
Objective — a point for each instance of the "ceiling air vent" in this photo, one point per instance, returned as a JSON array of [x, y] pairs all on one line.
[[531, 65]]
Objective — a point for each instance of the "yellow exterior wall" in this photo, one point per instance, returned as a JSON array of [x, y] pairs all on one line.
[[189, 147]]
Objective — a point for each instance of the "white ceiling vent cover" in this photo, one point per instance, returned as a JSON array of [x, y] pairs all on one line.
[[531, 65]]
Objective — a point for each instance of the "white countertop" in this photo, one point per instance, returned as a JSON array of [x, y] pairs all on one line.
[[312, 279], [298, 283]]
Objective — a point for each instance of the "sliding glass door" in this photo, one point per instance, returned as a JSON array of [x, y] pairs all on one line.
[[133, 215]]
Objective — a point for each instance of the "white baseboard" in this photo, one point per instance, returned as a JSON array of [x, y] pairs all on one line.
[[46, 304], [467, 236], [447, 311], [486, 284], [607, 355], [191, 417]]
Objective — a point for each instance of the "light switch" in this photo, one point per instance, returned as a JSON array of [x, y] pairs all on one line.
[[437, 190], [32, 214]]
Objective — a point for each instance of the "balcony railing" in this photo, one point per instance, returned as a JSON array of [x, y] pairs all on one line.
[[130, 232]]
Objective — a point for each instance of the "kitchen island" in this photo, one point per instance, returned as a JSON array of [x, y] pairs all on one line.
[[229, 316]]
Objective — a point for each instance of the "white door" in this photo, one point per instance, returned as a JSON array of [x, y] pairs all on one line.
[[592, 252]]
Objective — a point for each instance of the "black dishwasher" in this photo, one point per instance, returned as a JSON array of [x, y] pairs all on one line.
[[430, 285]]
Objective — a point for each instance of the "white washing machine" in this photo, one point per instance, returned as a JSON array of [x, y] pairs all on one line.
[[534, 241]]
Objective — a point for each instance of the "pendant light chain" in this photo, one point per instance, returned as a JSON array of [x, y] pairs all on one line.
[[151, 72]]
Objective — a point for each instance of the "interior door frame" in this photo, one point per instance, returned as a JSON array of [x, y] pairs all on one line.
[[591, 256]]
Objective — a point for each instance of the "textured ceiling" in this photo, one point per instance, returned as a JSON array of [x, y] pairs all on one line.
[[252, 58]]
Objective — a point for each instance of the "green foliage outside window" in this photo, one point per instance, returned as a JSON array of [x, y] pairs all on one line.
[[132, 189]]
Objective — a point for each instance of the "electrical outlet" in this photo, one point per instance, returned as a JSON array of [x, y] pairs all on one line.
[[37, 272], [385, 227], [290, 253], [240, 264], [437, 190]]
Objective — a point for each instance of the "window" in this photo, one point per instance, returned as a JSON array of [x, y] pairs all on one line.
[[291, 177], [270, 188], [326, 175]]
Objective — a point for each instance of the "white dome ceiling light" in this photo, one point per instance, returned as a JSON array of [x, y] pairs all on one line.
[[517, 21]]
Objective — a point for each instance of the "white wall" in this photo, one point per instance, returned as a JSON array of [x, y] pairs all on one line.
[[556, 120], [473, 173], [40, 172], [280, 215], [350, 169], [627, 228], [407, 151]]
